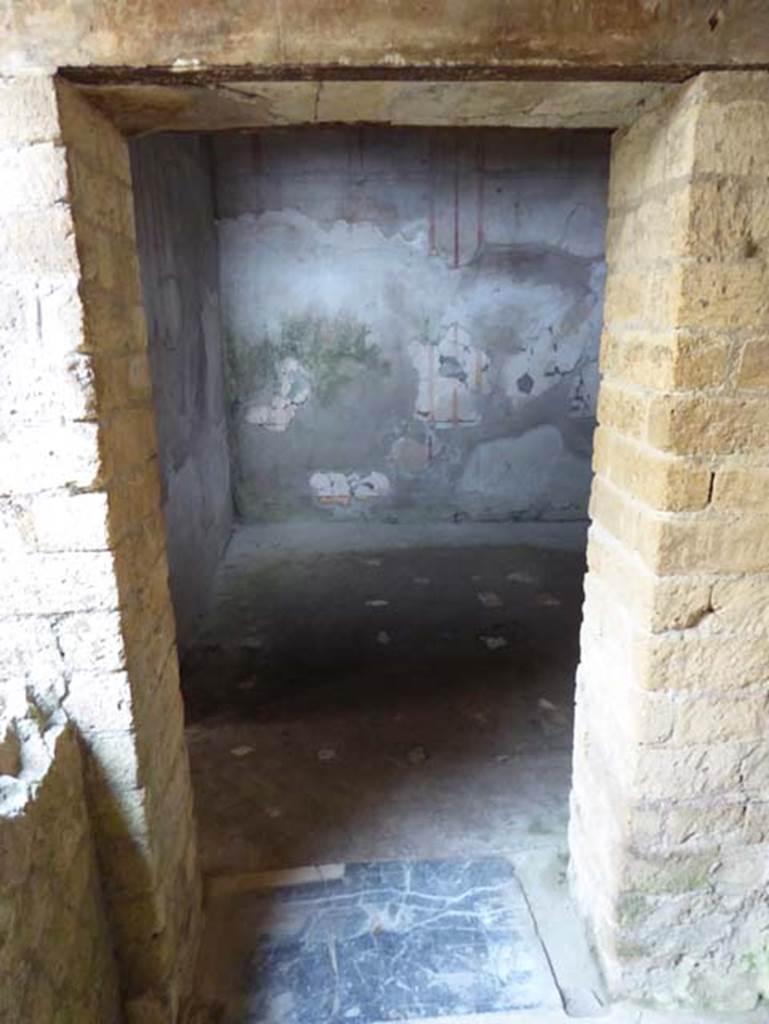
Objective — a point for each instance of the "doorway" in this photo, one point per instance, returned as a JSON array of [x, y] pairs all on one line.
[[374, 357]]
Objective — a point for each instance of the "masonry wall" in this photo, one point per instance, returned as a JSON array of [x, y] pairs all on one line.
[[608, 34], [56, 953], [86, 625], [130, 712], [411, 319], [172, 176], [670, 821]]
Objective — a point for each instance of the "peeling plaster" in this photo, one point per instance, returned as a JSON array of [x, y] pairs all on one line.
[[351, 491], [471, 268], [293, 390], [451, 373]]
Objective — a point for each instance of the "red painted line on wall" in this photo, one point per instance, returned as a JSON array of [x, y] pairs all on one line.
[[480, 165], [430, 383], [456, 201], [431, 201]]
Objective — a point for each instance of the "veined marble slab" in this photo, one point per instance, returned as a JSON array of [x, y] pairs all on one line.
[[386, 941]]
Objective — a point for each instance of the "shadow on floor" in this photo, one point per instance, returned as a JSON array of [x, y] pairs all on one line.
[[391, 704]]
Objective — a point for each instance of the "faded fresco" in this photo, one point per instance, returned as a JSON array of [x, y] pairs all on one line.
[[411, 319]]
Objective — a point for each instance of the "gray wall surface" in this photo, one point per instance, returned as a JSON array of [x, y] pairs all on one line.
[[412, 320], [179, 266]]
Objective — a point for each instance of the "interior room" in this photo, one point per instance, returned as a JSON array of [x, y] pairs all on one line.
[[374, 359]]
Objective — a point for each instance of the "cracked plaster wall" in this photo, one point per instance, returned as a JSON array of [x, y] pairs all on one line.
[[412, 320], [177, 244]]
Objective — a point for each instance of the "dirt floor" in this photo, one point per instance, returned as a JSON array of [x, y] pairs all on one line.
[[380, 728], [355, 697], [367, 700]]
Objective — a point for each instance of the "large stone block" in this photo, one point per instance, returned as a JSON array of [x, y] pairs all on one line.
[[644, 298], [37, 243], [699, 660], [649, 231], [654, 152], [28, 111], [753, 372], [741, 605], [726, 296], [720, 148], [657, 603], [742, 487], [728, 220], [716, 546], [705, 424], [674, 360], [721, 718], [663, 482], [34, 177]]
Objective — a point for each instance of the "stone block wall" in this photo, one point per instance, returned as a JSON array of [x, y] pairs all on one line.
[[670, 824], [666, 40], [56, 957], [670, 809], [176, 236], [86, 623]]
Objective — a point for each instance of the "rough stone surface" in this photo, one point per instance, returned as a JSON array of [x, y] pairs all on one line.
[[534, 35], [180, 280], [412, 320], [129, 711], [669, 830], [86, 622], [56, 957], [241, 105], [670, 741]]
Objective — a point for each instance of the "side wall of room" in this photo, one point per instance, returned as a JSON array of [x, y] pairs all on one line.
[[179, 269]]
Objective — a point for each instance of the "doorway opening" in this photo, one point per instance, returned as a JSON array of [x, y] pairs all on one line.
[[374, 355]]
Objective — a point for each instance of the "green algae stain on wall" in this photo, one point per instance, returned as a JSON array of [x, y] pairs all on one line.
[[331, 352]]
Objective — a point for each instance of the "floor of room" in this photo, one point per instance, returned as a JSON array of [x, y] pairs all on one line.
[[380, 730], [367, 691]]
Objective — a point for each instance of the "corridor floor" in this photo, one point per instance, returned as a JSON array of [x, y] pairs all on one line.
[[374, 702], [356, 697], [380, 730]]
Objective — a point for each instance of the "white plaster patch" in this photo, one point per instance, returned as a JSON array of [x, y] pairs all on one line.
[[348, 489], [366, 488], [242, 751], [451, 374], [293, 390], [330, 488], [494, 643]]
